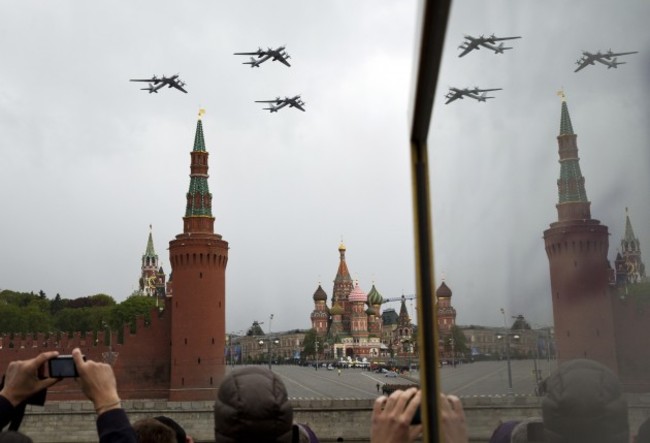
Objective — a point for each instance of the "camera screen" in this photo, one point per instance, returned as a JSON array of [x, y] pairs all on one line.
[[62, 367]]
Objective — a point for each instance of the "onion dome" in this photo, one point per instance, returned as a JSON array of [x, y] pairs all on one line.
[[374, 297], [357, 294], [370, 311], [341, 247], [320, 294], [337, 309], [443, 291]]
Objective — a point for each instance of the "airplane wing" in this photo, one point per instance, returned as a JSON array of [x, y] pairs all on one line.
[[498, 39], [469, 45], [611, 54], [583, 64], [258, 53], [283, 60], [299, 106], [177, 86], [475, 90], [148, 80], [454, 94]]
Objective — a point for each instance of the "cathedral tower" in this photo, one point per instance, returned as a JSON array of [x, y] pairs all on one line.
[[198, 258], [446, 312], [320, 315], [576, 246], [342, 287]]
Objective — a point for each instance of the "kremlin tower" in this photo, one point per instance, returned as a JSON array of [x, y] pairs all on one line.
[[152, 276], [576, 246], [198, 259]]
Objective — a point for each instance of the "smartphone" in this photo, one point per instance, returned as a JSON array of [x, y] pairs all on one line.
[[62, 367], [417, 417]]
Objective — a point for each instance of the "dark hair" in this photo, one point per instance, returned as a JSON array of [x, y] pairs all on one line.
[[150, 430], [181, 436], [14, 437]]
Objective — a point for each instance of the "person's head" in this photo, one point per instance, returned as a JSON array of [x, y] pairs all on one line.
[[502, 432], [181, 435], [252, 405], [14, 437], [530, 430], [150, 430], [584, 402]]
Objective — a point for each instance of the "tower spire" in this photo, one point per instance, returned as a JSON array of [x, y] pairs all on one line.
[[573, 203], [198, 211]]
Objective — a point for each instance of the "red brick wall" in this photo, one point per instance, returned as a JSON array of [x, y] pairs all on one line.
[[141, 368], [632, 326]]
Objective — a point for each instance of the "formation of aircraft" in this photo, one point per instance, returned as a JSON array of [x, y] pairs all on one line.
[[475, 93], [608, 59], [490, 42], [156, 83], [279, 103], [278, 54]]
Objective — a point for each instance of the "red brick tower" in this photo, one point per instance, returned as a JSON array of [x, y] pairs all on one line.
[[198, 258], [320, 315], [358, 317], [576, 246], [446, 312]]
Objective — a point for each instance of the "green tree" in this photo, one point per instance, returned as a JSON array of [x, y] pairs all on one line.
[[127, 311], [255, 329], [312, 344], [460, 341]]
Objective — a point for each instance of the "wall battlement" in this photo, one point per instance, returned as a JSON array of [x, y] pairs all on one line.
[[141, 362]]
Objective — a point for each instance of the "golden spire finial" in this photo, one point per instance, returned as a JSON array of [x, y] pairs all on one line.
[[561, 94], [201, 112]]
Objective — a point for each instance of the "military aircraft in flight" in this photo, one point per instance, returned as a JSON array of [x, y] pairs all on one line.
[[608, 58], [279, 103], [490, 42], [476, 94], [156, 83], [278, 54]]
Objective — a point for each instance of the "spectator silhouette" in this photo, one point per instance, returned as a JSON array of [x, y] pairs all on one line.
[[584, 403], [252, 406]]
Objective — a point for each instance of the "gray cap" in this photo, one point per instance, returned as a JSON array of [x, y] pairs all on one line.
[[252, 406], [584, 403]]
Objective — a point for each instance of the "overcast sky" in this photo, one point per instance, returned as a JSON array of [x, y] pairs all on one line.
[[88, 161]]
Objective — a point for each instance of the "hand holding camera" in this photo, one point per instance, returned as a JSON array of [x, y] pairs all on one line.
[[24, 378], [97, 382]]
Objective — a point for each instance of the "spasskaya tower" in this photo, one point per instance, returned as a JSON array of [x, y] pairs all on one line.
[[198, 260]]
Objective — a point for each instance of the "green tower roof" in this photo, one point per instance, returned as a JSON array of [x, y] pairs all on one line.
[[565, 121], [150, 252], [199, 199], [199, 143], [629, 232]]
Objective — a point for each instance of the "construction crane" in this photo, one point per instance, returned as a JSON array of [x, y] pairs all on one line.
[[402, 297]]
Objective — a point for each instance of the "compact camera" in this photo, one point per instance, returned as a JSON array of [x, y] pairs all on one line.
[[62, 367]]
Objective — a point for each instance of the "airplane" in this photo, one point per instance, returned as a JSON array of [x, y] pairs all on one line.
[[455, 94], [472, 43], [279, 103], [608, 58], [278, 54], [156, 83]]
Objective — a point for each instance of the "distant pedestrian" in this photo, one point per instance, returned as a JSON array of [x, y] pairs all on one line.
[[378, 387], [339, 371]]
